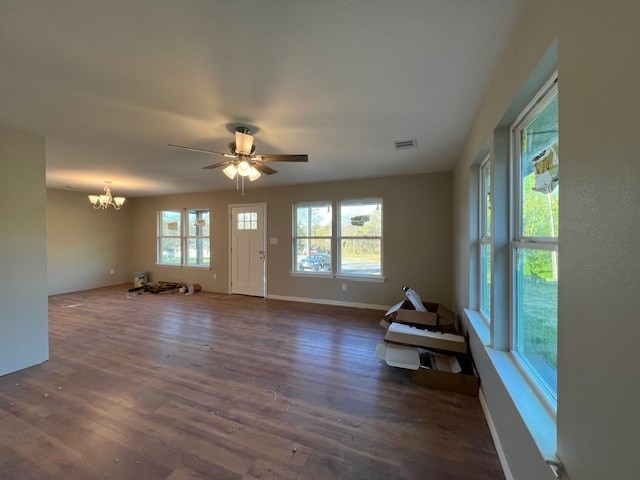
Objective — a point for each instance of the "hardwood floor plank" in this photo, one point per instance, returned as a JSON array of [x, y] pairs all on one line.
[[46, 452], [213, 386], [262, 470]]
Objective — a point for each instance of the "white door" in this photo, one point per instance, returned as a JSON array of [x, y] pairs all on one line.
[[248, 254]]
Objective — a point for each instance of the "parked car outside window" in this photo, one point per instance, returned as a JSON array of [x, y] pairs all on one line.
[[317, 262]]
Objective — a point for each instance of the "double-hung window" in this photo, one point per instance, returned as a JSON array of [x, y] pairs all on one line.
[[360, 238], [170, 237], [184, 237], [534, 248], [312, 234], [198, 239], [485, 253]]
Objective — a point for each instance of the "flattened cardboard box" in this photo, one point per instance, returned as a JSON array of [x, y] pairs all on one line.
[[408, 335], [437, 315]]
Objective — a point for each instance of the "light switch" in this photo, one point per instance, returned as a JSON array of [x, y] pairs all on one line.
[[273, 241]]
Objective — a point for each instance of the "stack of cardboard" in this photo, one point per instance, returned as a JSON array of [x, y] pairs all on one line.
[[423, 337]]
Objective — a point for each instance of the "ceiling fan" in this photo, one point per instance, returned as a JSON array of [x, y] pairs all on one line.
[[242, 160]]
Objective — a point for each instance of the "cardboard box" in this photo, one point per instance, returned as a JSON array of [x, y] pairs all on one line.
[[437, 316], [454, 373], [465, 381], [408, 335]]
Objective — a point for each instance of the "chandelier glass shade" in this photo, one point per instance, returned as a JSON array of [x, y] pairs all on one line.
[[106, 200]]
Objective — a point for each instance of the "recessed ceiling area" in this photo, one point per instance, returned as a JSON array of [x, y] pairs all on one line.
[[109, 85]]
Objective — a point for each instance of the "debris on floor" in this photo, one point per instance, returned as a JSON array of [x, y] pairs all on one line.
[[167, 287]]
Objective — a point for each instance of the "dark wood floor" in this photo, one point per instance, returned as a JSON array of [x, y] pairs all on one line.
[[214, 386]]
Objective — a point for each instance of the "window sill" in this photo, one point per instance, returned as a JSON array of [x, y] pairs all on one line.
[[354, 278], [540, 422], [312, 274], [188, 267], [358, 278], [480, 326]]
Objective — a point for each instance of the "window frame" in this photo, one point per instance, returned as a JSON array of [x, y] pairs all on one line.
[[485, 238], [520, 242], [160, 236], [340, 237], [184, 237], [295, 237], [187, 237]]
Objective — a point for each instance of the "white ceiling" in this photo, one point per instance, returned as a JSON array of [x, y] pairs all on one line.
[[109, 84]]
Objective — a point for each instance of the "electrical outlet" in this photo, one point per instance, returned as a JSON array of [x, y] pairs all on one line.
[[112, 271], [344, 287]]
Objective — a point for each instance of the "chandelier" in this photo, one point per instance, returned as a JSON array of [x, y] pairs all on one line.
[[106, 200]]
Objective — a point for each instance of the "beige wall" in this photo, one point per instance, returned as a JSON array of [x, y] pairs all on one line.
[[599, 270], [84, 244], [24, 336], [598, 59], [417, 238]]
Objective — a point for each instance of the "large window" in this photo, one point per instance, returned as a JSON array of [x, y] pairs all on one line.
[[534, 247], [360, 238], [312, 237], [485, 238], [184, 238]]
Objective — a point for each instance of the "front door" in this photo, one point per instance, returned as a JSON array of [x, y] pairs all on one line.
[[248, 250]]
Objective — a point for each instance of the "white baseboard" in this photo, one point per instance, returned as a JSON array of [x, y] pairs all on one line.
[[337, 303], [496, 440]]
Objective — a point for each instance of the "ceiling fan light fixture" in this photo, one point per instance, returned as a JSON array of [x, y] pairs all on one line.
[[244, 168], [245, 162], [230, 171], [254, 174]]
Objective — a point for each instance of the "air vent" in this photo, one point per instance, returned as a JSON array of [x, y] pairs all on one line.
[[405, 144]]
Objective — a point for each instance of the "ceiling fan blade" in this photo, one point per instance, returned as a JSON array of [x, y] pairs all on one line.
[[244, 142], [211, 152], [268, 157], [216, 165], [263, 168]]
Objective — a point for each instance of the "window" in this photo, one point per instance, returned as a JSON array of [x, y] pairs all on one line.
[[247, 221], [312, 237], [360, 238], [534, 247], [184, 238], [170, 237], [198, 238], [485, 238]]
